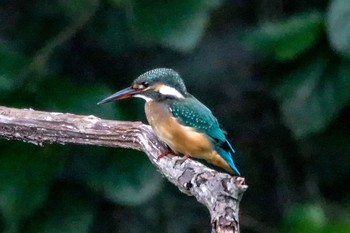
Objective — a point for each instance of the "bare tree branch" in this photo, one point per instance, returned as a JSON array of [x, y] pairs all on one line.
[[219, 192]]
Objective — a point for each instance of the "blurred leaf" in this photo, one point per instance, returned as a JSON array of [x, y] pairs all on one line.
[[119, 2], [58, 94], [76, 8], [304, 218], [338, 227], [26, 174], [312, 95], [338, 25], [177, 24], [124, 176], [11, 63], [69, 210], [287, 39], [111, 31], [331, 151], [38, 22]]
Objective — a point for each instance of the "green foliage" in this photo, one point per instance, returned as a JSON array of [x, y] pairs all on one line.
[[59, 94], [312, 95], [26, 173], [124, 177], [119, 2], [76, 8], [330, 151], [339, 227], [305, 218], [10, 66], [311, 86], [69, 210], [287, 39], [338, 25], [112, 32], [176, 24], [316, 90]]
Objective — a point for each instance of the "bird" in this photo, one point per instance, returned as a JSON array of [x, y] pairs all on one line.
[[178, 119]]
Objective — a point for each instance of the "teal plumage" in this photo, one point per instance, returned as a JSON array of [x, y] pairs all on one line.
[[191, 112]]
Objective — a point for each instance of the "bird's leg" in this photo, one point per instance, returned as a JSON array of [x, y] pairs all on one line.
[[165, 153], [182, 160]]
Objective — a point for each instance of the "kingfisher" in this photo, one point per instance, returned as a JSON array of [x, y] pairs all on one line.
[[178, 119]]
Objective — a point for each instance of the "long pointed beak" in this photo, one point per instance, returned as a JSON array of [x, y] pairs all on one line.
[[122, 94]]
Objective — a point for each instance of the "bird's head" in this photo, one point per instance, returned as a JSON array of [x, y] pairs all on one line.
[[158, 84]]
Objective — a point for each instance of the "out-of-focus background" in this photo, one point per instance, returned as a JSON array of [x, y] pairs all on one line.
[[276, 73]]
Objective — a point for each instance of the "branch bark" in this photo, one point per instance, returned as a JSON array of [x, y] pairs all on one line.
[[219, 192]]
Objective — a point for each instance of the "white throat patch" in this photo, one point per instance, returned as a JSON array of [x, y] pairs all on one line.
[[143, 97], [166, 90]]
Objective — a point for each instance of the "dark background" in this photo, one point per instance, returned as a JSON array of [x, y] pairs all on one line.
[[276, 73]]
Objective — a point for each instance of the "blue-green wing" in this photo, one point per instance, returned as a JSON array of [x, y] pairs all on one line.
[[193, 113]]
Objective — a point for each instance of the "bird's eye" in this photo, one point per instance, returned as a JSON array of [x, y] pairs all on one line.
[[145, 84]]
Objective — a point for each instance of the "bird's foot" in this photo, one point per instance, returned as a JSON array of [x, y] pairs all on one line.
[[182, 160], [163, 154]]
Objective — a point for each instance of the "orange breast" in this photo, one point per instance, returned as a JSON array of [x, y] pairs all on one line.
[[179, 138]]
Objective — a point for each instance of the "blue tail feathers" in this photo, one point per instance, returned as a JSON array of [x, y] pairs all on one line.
[[227, 156]]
